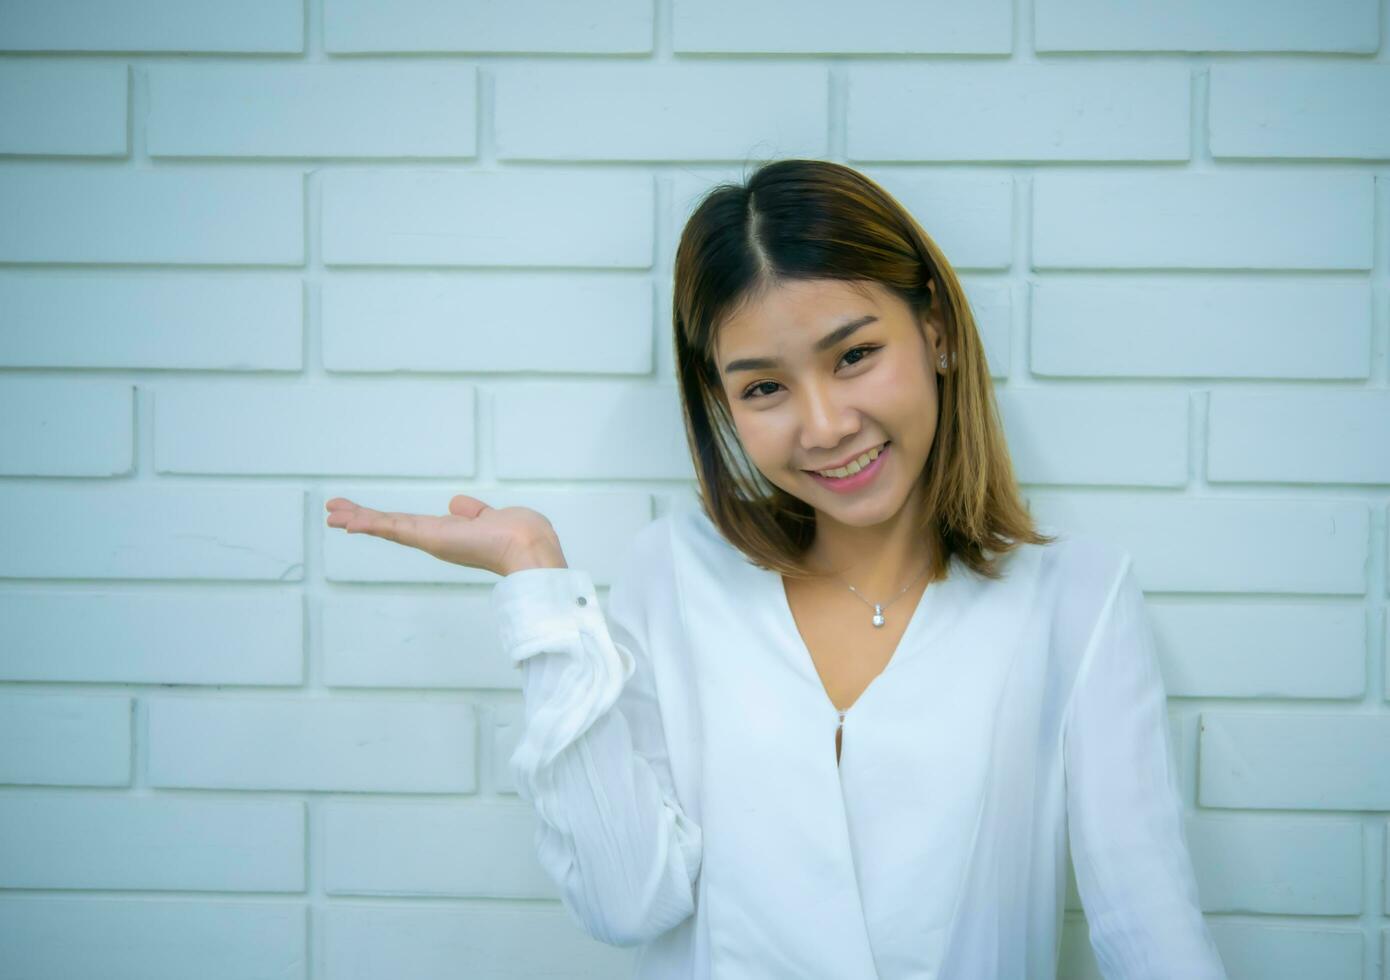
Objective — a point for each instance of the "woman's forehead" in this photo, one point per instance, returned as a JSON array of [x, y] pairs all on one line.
[[796, 315]]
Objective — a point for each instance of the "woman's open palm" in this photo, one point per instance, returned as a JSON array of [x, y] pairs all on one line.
[[472, 533]]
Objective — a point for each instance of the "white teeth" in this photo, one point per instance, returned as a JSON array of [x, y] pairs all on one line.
[[855, 465]]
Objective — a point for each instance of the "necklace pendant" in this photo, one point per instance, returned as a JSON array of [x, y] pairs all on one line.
[[878, 615]]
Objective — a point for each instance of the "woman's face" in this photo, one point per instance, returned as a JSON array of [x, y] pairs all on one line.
[[807, 392]]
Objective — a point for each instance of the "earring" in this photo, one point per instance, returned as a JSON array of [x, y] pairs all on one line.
[[943, 361]]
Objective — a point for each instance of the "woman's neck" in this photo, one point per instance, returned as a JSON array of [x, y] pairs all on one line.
[[878, 561]]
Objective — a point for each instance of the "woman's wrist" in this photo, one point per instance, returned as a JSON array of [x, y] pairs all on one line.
[[540, 554]]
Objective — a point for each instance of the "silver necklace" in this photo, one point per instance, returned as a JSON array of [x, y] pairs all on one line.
[[878, 619]]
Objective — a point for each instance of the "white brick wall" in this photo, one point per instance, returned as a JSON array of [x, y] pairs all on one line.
[[254, 255]]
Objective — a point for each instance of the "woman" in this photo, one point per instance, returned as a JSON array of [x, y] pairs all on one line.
[[848, 719]]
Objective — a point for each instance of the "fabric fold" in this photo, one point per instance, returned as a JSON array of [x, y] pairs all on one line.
[[611, 834], [1125, 813]]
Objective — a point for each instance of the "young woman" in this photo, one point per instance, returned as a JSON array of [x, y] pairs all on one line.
[[849, 718]]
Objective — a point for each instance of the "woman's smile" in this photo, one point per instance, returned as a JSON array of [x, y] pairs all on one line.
[[855, 481]]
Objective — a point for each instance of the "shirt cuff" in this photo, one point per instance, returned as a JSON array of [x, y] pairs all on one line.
[[535, 606]]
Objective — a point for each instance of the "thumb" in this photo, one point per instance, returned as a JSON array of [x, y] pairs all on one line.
[[466, 506]]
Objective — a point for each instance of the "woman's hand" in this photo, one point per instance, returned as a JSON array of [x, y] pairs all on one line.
[[472, 533]]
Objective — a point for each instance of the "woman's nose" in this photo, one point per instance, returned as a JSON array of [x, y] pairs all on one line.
[[825, 424]]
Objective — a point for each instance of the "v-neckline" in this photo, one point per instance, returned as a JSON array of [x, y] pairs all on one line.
[[924, 616]]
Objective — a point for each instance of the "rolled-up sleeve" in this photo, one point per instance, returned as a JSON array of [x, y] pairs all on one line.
[[592, 759], [1124, 807]]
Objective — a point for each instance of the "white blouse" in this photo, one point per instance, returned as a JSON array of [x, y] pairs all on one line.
[[680, 756]]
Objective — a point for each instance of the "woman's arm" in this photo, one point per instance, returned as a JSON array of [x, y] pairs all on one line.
[[592, 759], [1124, 808]]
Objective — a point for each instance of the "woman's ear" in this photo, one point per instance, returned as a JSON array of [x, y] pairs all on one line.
[[933, 334], [937, 348], [931, 325]]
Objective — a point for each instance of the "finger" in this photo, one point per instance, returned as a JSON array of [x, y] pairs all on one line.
[[401, 528], [409, 529], [357, 520], [466, 506], [342, 511]]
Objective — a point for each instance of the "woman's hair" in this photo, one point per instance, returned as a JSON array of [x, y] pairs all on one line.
[[813, 219]]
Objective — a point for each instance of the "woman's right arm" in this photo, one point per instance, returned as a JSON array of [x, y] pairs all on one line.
[[592, 758]]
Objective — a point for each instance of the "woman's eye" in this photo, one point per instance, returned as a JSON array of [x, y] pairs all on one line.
[[864, 349], [748, 392]]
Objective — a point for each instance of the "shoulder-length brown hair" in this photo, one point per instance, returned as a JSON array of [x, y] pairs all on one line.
[[813, 219]]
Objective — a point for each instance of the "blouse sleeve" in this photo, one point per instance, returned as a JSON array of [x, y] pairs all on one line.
[[592, 758], [1124, 808]]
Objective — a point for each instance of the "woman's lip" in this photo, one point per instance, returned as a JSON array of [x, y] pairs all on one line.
[[851, 459], [857, 482]]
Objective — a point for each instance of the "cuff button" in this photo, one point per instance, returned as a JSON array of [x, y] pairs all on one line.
[[582, 601]]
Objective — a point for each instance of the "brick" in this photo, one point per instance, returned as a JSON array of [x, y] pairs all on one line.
[[1097, 111], [523, 26], [1293, 952], [509, 726], [152, 531], [62, 108], [64, 740], [340, 745], [66, 427], [1200, 329], [423, 429], [183, 26], [823, 27], [153, 939], [468, 850], [151, 843], [1304, 761], [1261, 649], [1300, 111], [554, 322], [257, 110], [136, 638], [1257, 220], [1157, 25], [513, 942], [1227, 544], [1127, 436], [1184, 749], [1297, 435], [487, 218], [231, 322], [665, 111], [589, 431], [1275, 865], [414, 641], [969, 217], [993, 310], [171, 216]]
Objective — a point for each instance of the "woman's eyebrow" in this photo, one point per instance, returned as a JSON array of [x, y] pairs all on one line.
[[825, 343]]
